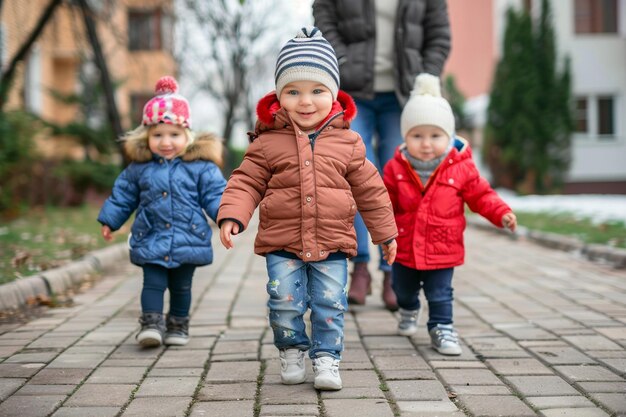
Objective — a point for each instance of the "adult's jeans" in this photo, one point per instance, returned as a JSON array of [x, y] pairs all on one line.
[[293, 287], [379, 118], [157, 278], [437, 286]]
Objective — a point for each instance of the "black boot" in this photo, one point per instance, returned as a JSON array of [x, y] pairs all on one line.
[[152, 329], [177, 330]]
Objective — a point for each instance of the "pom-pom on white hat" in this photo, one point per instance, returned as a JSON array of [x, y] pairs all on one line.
[[426, 106]]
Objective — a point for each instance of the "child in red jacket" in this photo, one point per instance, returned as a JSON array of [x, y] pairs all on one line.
[[429, 179]]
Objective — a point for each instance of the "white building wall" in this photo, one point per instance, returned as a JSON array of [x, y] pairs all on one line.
[[598, 63], [598, 67]]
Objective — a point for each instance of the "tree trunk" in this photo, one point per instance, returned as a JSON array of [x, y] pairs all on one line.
[[112, 112], [7, 76]]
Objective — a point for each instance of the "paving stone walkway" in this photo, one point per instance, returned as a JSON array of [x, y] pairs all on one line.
[[543, 332]]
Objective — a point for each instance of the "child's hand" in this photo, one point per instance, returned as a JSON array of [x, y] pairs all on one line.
[[227, 229], [389, 251], [106, 233], [509, 221]]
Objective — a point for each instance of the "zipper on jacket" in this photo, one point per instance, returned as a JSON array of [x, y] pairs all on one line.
[[313, 136]]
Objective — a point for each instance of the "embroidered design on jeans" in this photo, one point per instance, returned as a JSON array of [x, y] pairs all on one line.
[[274, 285]]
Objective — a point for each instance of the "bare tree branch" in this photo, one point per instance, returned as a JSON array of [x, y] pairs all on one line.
[[112, 112], [7, 75], [233, 41]]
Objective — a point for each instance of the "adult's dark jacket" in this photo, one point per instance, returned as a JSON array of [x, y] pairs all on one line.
[[422, 41]]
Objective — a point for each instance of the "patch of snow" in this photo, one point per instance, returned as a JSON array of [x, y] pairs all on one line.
[[599, 208]]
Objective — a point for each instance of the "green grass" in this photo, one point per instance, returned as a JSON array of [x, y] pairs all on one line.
[[611, 233], [49, 237]]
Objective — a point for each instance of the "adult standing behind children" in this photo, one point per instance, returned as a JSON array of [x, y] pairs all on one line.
[[172, 180], [430, 178], [382, 45], [308, 172]]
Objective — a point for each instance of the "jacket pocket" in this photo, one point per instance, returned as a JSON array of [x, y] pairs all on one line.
[[199, 227], [351, 211], [141, 226], [447, 192], [264, 211]]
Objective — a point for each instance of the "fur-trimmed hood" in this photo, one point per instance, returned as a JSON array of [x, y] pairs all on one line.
[[272, 116], [206, 146]]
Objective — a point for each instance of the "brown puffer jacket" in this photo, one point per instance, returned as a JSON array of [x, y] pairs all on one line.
[[308, 190]]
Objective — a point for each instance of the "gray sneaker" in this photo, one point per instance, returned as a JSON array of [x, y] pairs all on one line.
[[177, 333], [152, 329], [445, 340], [408, 322], [292, 370]]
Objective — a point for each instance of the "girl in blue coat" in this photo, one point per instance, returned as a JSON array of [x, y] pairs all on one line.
[[173, 183]]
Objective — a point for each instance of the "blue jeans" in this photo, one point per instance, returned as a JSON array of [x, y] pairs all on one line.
[[157, 278], [437, 285], [295, 286], [378, 117]]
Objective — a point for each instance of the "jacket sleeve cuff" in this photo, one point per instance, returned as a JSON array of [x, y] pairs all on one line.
[[241, 228]]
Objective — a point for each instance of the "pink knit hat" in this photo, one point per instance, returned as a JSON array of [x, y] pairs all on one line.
[[167, 106]]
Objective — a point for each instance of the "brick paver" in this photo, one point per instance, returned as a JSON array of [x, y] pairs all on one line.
[[543, 333]]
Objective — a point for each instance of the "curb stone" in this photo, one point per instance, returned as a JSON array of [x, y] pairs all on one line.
[[14, 295], [616, 257]]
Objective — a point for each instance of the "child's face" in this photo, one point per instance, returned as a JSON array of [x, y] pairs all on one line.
[[426, 142], [307, 102], [167, 141]]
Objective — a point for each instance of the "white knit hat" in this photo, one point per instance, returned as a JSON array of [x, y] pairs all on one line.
[[426, 106], [307, 57]]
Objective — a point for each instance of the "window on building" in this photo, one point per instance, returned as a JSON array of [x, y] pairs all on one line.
[[606, 120], [528, 5], [594, 117], [149, 30], [137, 101], [596, 16], [580, 116]]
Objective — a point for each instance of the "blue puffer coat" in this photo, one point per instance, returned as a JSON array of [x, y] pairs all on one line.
[[170, 227]]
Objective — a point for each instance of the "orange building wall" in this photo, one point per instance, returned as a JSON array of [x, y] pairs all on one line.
[[61, 49], [473, 57]]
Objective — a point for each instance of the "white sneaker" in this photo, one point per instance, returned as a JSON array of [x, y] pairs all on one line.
[[326, 370], [292, 370], [407, 326], [445, 340]]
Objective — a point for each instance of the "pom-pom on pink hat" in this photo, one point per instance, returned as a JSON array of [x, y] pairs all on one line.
[[167, 106]]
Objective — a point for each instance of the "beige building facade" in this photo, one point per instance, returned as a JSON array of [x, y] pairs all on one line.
[[136, 38]]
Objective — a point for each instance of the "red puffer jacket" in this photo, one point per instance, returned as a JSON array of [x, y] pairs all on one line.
[[431, 222]]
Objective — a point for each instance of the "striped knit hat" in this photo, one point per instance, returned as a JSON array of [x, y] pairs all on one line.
[[307, 57], [167, 106]]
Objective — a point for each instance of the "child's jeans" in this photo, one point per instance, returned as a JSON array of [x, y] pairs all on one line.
[[157, 278], [437, 285], [293, 287], [377, 117]]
